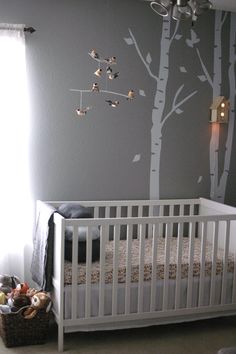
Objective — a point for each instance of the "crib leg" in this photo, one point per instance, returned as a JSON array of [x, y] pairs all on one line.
[[60, 338]]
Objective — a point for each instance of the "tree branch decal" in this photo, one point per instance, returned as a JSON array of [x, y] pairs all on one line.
[[204, 69], [176, 106], [225, 14], [145, 62], [175, 31]]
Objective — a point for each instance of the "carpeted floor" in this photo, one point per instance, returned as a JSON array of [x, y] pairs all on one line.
[[201, 337]]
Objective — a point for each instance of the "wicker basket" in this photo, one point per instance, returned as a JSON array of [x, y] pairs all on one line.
[[15, 330]]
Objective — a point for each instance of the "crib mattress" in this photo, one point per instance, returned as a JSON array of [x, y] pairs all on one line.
[[160, 262]]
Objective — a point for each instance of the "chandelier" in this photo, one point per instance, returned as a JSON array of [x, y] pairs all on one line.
[[181, 9]]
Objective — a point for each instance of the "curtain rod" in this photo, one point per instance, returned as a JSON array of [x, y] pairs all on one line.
[[26, 29], [29, 29]]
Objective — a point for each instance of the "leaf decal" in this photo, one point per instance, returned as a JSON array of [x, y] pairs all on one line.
[[137, 158], [148, 58], [194, 39], [129, 41], [178, 111], [182, 69], [202, 78], [142, 93], [178, 37], [189, 43], [199, 179]]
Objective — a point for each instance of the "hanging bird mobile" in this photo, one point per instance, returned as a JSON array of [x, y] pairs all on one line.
[[96, 88]]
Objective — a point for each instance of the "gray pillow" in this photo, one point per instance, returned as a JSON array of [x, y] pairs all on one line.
[[74, 211]]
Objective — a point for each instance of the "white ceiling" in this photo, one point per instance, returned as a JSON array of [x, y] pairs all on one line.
[[226, 5]]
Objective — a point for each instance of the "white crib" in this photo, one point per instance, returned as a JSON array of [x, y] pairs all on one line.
[[161, 261]]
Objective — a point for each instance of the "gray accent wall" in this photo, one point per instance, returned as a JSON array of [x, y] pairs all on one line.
[[108, 153]]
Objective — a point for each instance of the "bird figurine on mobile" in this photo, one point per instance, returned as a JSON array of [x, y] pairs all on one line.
[[113, 76], [95, 87], [82, 111], [109, 70], [94, 54], [113, 103], [98, 72], [111, 60], [130, 95]]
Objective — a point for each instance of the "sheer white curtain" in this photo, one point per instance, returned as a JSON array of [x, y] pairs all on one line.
[[15, 201]]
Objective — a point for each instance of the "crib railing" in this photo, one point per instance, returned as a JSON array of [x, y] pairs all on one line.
[[139, 208]]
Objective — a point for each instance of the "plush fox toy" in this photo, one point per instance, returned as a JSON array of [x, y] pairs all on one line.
[[40, 300]]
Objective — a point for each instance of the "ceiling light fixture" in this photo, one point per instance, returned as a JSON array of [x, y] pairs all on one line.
[[181, 9]]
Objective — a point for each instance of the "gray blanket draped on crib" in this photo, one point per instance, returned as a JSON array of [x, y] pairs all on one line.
[[42, 258]]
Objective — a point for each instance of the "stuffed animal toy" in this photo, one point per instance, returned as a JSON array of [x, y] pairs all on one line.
[[7, 283], [20, 301], [3, 298], [22, 288], [40, 300], [31, 292]]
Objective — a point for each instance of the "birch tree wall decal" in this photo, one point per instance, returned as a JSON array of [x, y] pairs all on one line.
[[219, 182], [158, 118], [232, 97]]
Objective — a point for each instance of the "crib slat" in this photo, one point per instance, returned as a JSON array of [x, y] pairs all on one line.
[[129, 211], [107, 212], [88, 272], [154, 267], [161, 210], [141, 268], [150, 226], [74, 273], [140, 214], [128, 268], [103, 238], [118, 211], [166, 269], [140, 211], [192, 228], [234, 280], [160, 227], [171, 213], [191, 209], [202, 263], [115, 268], [214, 259], [225, 263], [179, 262], [96, 212], [181, 209]]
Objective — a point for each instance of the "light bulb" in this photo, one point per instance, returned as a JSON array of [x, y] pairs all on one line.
[[181, 12], [161, 7]]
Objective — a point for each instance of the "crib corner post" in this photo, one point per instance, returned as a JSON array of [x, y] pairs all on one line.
[[60, 338]]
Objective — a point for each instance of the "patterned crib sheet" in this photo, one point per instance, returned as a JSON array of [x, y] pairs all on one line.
[[160, 263]]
